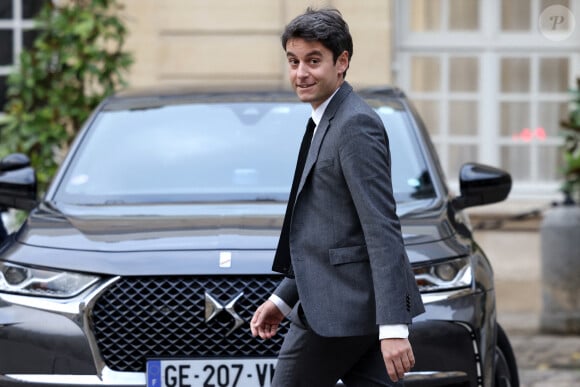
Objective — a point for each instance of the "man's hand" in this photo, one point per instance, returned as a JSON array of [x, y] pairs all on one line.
[[398, 357], [266, 320]]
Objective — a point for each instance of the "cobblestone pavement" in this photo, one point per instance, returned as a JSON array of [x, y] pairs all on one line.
[[543, 360]]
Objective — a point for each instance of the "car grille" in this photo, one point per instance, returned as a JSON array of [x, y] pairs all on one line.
[[139, 318]]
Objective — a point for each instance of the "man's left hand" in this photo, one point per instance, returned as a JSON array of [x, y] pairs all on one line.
[[398, 357]]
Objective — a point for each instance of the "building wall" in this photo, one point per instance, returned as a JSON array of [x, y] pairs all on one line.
[[487, 80], [491, 80], [204, 42]]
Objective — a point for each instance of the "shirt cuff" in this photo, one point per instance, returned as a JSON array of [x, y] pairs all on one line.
[[283, 306], [395, 331]]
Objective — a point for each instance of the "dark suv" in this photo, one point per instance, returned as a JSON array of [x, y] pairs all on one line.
[[147, 256]]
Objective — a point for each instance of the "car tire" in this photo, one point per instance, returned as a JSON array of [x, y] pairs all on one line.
[[506, 369]]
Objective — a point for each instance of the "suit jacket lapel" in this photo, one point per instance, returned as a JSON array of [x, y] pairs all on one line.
[[321, 130]]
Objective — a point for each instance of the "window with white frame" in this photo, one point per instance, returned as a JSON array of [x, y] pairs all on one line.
[[491, 83], [16, 31]]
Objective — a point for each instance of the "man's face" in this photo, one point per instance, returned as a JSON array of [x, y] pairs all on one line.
[[312, 71]]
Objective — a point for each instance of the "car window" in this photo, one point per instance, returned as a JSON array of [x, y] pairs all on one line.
[[411, 178], [208, 152]]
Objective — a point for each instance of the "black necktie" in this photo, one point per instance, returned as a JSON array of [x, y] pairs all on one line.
[[282, 261]]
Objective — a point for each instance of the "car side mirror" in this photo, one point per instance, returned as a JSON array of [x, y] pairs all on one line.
[[18, 188], [14, 161], [481, 184]]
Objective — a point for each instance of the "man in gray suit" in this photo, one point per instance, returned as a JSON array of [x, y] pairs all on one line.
[[349, 289]]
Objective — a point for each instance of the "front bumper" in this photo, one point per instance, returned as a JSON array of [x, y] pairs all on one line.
[[108, 378], [446, 354], [134, 379], [47, 343]]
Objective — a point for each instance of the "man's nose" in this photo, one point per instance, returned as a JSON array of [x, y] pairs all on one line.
[[302, 70]]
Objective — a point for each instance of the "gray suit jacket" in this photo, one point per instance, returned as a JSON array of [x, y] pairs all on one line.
[[351, 271]]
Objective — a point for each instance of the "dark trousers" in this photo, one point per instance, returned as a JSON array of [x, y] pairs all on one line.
[[309, 360]]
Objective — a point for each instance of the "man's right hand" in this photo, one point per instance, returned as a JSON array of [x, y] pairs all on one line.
[[266, 320]]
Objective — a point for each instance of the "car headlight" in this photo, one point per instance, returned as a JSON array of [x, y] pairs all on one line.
[[445, 275], [31, 281]]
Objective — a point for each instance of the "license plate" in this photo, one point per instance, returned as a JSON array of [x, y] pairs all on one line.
[[210, 372]]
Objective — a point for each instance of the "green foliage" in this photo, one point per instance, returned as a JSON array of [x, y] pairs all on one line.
[[75, 62], [571, 131]]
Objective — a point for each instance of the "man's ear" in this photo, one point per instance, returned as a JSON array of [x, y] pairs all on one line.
[[342, 62]]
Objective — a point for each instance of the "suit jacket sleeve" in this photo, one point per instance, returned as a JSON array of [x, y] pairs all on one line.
[[365, 162], [288, 291]]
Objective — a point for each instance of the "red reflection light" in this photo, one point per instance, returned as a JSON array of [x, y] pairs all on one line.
[[527, 135]]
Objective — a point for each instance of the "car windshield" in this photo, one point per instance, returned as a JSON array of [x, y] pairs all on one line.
[[212, 152]]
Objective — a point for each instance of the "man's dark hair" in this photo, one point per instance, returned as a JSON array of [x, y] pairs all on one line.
[[325, 26]]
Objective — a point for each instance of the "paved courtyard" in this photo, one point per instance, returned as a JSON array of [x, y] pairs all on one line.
[[543, 360]]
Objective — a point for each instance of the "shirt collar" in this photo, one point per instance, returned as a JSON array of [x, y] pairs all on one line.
[[319, 111]]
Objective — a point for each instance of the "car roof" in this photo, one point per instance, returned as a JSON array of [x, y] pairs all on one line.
[[156, 97]]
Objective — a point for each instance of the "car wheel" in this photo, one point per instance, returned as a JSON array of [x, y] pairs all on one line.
[[506, 369]]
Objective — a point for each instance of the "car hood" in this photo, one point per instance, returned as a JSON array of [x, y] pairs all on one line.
[[209, 231], [155, 227]]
